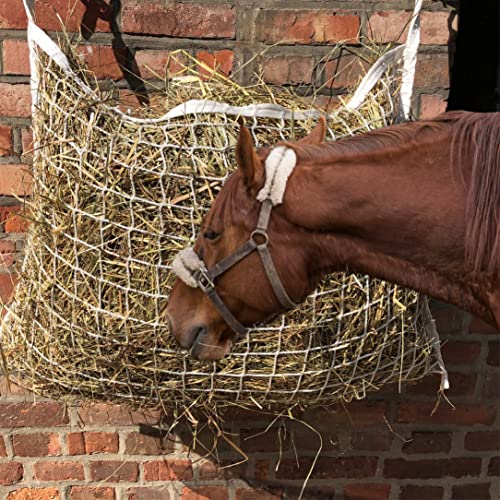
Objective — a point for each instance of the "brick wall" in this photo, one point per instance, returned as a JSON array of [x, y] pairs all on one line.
[[390, 446]]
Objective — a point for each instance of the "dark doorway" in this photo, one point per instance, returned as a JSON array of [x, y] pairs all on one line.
[[475, 76]]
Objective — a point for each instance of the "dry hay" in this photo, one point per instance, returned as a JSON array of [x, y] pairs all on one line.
[[114, 199]]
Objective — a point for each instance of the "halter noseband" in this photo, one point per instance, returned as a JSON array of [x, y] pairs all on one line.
[[192, 270]]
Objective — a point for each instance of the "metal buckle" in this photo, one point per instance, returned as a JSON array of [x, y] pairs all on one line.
[[260, 233], [204, 280]]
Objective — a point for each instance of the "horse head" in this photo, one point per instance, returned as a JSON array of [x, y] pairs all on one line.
[[226, 279]]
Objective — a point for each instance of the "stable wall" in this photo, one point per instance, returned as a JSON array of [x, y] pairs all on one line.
[[389, 446]]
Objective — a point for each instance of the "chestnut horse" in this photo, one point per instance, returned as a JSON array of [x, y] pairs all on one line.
[[417, 204]]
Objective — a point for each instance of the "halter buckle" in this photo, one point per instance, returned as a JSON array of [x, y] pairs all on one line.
[[204, 280], [260, 233]]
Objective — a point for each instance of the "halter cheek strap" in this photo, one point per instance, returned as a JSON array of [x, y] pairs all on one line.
[[193, 271]]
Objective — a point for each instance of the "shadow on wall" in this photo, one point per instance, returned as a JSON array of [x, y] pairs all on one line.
[[99, 9]]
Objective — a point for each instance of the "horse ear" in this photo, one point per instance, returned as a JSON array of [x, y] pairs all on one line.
[[317, 135], [247, 159]]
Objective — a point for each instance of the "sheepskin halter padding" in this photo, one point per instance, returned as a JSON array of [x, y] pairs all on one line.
[[186, 264], [279, 166]]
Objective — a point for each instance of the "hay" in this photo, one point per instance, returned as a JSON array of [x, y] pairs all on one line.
[[114, 199]]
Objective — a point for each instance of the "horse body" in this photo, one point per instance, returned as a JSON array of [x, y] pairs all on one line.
[[403, 204]]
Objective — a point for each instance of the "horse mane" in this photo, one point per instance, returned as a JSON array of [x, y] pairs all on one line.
[[477, 137], [474, 151], [390, 137]]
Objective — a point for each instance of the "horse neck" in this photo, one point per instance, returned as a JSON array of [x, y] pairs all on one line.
[[396, 213]]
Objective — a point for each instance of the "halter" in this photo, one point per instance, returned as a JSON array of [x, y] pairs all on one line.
[[192, 270]]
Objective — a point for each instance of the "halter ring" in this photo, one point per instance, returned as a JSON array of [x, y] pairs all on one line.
[[260, 233]]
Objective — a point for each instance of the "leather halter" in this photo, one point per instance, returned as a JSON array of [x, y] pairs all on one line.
[[204, 278]]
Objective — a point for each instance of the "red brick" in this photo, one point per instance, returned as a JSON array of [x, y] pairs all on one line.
[[461, 384], [479, 326], [3, 449], [491, 387], [344, 71], [36, 445], [91, 493], [27, 141], [482, 441], [88, 443], [72, 14], [5, 140], [390, 26], [431, 468], [478, 491], [368, 491], [7, 285], [153, 63], [431, 106], [494, 467], [15, 101], [12, 15], [204, 493], [327, 468], [110, 414], [140, 444], [262, 468], [428, 442], [209, 470], [10, 473], [493, 354], [355, 414], [432, 71], [34, 494], [148, 494], [114, 471], [220, 61], [16, 224], [257, 440], [414, 492], [460, 353], [101, 60], [168, 470], [16, 57], [308, 27], [6, 260], [7, 246], [32, 414], [58, 471], [15, 179], [460, 415], [376, 441], [280, 70], [11, 387], [157, 17], [303, 439], [255, 494]]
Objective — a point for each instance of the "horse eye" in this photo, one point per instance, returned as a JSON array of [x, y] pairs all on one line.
[[211, 235]]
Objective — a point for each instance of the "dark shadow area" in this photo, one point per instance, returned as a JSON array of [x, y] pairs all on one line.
[[99, 9], [475, 74]]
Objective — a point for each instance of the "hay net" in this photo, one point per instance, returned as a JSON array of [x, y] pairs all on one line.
[[116, 196]]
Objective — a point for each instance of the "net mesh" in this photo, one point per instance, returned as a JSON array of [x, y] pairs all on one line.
[[116, 196]]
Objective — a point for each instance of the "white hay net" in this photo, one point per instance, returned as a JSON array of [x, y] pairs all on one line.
[[115, 197]]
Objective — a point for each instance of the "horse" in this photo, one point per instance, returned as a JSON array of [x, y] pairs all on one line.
[[416, 204]]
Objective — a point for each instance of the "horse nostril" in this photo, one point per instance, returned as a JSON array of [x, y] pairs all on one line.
[[188, 339], [198, 332]]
